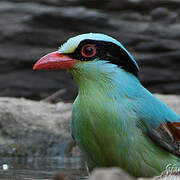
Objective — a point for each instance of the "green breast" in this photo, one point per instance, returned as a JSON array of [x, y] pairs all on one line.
[[99, 131]]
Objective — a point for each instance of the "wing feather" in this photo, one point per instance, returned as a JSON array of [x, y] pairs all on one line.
[[167, 136]]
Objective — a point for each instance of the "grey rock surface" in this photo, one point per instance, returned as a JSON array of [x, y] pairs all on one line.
[[149, 29], [109, 174], [118, 174], [30, 128], [69, 17]]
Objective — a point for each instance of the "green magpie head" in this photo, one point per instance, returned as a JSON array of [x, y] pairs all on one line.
[[86, 48]]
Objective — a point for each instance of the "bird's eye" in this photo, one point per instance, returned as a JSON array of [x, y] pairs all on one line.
[[88, 50]]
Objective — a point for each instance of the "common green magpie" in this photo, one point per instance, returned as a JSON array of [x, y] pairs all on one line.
[[115, 120]]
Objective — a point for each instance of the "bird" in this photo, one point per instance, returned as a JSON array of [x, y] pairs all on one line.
[[115, 120]]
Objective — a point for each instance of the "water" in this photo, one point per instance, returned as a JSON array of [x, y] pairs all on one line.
[[41, 168]]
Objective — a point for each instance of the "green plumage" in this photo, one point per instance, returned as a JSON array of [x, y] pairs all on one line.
[[104, 121], [115, 120]]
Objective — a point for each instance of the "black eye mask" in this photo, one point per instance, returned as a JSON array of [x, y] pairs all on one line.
[[107, 51]]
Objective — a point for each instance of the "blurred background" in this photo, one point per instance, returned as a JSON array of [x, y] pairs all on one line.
[[149, 29], [35, 140]]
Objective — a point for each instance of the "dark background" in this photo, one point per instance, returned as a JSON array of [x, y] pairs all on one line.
[[149, 29]]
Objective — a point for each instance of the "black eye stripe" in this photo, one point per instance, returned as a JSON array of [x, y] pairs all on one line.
[[107, 51]]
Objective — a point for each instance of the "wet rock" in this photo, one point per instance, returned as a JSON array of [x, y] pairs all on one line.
[[174, 175], [109, 174], [163, 14], [140, 5], [116, 173], [132, 16], [37, 85], [173, 31], [160, 13], [24, 8], [30, 128], [28, 30], [71, 17], [157, 45]]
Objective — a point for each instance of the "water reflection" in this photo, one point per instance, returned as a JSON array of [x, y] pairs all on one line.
[[41, 168]]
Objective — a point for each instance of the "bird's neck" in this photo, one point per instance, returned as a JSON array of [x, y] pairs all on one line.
[[103, 77]]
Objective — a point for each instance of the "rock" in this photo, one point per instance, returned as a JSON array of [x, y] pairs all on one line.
[[30, 128], [163, 14], [139, 5], [173, 31], [132, 16], [173, 18], [37, 85], [31, 29], [165, 176], [157, 45], [109, 174], [159, 71], [116, 173], [70, 18], [160, 13], [42, 15], [24, 8]]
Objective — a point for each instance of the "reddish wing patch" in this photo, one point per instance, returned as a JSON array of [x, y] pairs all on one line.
[[167, 136], [174, 128]]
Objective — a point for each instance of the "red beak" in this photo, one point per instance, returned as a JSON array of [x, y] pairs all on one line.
[[55, 60]]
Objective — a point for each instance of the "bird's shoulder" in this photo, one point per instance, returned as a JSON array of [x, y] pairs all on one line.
[[159, 122]]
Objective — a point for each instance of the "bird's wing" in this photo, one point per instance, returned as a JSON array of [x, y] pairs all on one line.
[[160, 123], [167, 136]]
